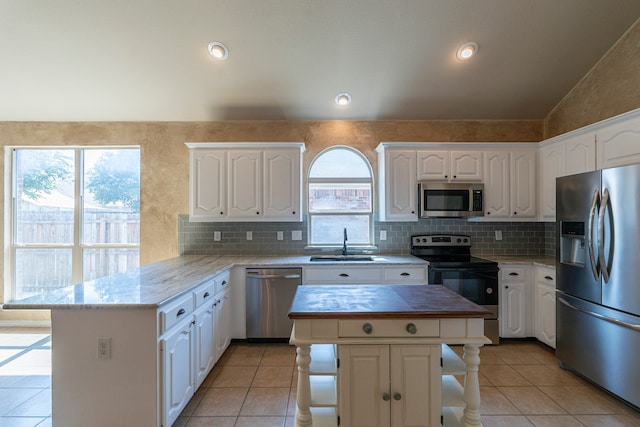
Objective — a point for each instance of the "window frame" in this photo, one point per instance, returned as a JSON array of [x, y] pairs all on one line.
[[340, 180], [78, 246]]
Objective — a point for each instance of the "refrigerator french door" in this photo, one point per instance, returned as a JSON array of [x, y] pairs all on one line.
[[598, 269]]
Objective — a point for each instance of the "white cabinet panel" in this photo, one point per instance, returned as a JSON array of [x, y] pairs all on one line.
[[618, 142], [282, 185], [208, 184], [245, 184], [438, 165], [580, 154], [466, 166], [523, 184], [398, 185], [496, 186], [545, 303], [433, 165], [552, 166]]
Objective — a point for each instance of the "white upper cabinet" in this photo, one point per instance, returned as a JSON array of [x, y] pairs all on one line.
[[246, 182], [618, 142], [552, 166], [580, 154], [509, 185], [438, 165], [398, 185]]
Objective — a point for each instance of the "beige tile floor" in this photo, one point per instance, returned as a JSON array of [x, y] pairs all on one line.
[[254, 385]]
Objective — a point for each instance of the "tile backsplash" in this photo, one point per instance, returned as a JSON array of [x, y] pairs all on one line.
[[518, 238]]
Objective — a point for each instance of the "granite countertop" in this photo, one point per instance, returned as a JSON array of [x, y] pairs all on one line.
[[153, 285], [543, 261], [381, 301]]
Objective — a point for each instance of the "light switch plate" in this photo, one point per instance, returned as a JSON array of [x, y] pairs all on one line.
[[280, 235], [383, 234], [216, 236], [296, 235], [498, 234], [249, 235]]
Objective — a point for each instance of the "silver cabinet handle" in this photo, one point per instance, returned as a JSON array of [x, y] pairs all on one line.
[[386, 397], [273, 276], [411, 328], [367, 328], [397, 396], [344, 275]]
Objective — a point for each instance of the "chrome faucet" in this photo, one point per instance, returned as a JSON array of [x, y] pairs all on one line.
[[344, 242]]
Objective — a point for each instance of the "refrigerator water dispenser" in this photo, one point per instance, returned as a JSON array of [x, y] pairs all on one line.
[[573, 247]]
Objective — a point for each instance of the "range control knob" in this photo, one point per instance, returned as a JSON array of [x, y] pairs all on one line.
[[459, 240], [466, 240]]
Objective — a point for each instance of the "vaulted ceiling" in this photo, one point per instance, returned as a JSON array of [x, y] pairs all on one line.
[[148, 60]]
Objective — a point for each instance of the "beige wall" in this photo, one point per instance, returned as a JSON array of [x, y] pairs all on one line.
[[165, 158], [612, 87]]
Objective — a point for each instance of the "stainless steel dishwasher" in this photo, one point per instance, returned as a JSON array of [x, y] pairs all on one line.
[[270, 293]]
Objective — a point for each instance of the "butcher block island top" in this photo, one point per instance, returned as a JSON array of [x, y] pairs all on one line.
[[382, 302]]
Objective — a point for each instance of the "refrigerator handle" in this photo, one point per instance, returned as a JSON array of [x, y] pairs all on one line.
[[602, 261], [592, 218], [618, 322]]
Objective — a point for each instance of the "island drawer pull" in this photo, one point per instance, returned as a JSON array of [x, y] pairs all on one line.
[[224, 282], [386, 397], [411, 328], [405, 274], [367, 328], [397, 396], [513, 274], [206, 295], [548, 277], [344, 275], [180, 312]]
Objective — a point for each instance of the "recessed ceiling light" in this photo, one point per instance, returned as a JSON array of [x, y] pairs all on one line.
[[218, 51], [467, 50], [343, 98]]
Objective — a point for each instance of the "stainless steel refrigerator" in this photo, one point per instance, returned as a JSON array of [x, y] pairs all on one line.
[[598, 271]]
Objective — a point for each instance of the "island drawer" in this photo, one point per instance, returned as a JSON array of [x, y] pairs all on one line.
[[405, 275], [222, 281], [338, 275], [389, 328], [175, 312], [204, 292]]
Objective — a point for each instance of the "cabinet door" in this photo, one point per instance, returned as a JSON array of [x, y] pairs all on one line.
[[245, 184], [618, 143], [207, 185], [546, 314], [399, 203], [364, 385], [433, 165], [512, 310], [177, 371], [415, 385], [223, 322], [496, 185], [466, 166], [205, 339], [581, 154], [282, 183], [523, 184], [552, 165]]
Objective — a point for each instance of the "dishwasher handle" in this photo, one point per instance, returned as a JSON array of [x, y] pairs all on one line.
[[272, 276]]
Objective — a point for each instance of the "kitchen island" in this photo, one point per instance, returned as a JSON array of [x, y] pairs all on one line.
[[387, 342]]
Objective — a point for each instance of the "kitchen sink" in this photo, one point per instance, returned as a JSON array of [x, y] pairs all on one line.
[[329, 258]]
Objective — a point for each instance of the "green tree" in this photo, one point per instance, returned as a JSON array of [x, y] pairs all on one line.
[[115, 178], [42, 170]]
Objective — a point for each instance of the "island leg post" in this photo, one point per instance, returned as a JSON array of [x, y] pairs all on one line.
[[303, 393], [472, 386]]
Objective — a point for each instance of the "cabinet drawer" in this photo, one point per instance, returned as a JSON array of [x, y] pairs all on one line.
[[204, 292], [175, 312], [514, 273], [222, 281], [389, 328], [404, 275], [546, 275], [337, 275]]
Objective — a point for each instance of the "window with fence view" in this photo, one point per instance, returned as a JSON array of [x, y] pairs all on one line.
[[75, 215]]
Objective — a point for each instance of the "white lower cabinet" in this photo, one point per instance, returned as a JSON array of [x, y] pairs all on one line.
[[205, 329], [178, 384], [545, 303], [513, 301], [369, 275], [390, 385]]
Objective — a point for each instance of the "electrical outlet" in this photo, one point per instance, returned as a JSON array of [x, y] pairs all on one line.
[[296, 235], [217, 236], [383, 234], [104, 348], [280, 235], [498, 234], [249, 235]]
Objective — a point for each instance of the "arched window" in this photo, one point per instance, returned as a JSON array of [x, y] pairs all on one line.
[[340, 196]]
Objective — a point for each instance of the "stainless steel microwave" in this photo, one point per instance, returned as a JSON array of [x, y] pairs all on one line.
[[451, 199]]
